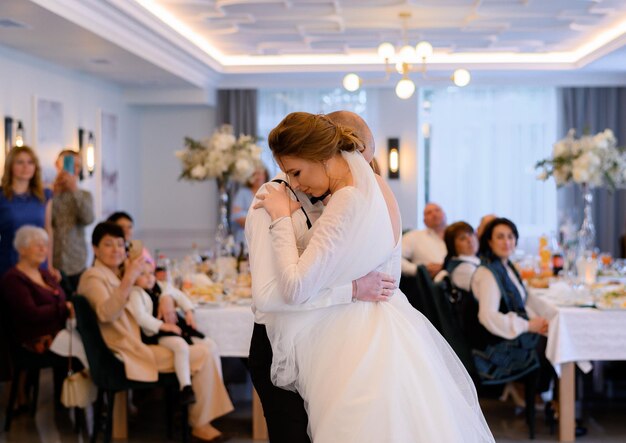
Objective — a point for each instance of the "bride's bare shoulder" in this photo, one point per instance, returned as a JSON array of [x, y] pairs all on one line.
[[392, 204]]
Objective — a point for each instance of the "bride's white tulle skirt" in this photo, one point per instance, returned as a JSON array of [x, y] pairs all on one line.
[[378, 372]]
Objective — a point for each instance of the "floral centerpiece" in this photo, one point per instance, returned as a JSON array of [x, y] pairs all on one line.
[[225, 158], [590, 161], [222, 156]]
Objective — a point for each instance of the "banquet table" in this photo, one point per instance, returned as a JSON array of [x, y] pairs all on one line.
[[230, 327], [577, 335]]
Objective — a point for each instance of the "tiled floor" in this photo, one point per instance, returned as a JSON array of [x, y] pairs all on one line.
[[606, 422]]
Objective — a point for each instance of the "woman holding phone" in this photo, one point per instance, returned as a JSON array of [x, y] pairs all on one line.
[[23, 201]]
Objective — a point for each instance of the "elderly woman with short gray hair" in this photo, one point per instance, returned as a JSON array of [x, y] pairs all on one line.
[[36, 307]]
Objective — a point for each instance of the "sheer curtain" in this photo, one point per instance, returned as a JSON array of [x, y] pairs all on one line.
[[484, 144], [275, 104]]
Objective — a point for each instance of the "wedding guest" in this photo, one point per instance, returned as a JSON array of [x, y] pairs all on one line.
[[502, 311], [143, 304], [36, 305], [461, 261], [107, 286], [23, 201], [243, 199], [72, 211], [126, 222], [425, 247]]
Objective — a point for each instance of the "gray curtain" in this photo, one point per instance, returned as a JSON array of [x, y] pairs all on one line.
[[237, 107], [593, 110]]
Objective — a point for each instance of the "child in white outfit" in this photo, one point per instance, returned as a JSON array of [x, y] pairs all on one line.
[[143, 304]]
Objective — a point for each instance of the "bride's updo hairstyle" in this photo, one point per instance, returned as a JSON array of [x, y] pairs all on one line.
[[312, 137]]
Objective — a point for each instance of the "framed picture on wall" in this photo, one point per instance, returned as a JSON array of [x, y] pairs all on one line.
[[49, 135], [109, 140]]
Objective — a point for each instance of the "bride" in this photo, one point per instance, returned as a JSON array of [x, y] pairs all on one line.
[[368, 372]]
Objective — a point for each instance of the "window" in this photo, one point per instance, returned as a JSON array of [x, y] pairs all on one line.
[[275, 104], [484, 143]]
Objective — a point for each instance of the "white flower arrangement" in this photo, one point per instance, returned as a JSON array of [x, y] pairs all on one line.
[[221, 156], [593, 160]]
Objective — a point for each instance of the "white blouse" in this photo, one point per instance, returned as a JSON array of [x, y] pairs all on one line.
[[487, 292], [462, 275]]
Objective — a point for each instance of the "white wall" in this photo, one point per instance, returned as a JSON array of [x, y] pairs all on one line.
[[392, 117], [173, 214], [23, 78]]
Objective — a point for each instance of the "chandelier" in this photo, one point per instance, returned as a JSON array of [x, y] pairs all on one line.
[[407, 59]]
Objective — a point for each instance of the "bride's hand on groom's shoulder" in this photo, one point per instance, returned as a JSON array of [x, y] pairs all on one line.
[[375, 286], [277, 202]]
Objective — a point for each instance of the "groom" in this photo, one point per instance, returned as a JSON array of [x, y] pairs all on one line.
[[284, 410]]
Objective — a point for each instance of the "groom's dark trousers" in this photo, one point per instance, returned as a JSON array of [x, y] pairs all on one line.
[[284, 410]]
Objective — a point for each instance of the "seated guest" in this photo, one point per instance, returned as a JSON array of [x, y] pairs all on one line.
[[143, 304], [242, 202], [502, 311], [36, 305], [461, 261], [126, 222], [425, 247], [107, 286]]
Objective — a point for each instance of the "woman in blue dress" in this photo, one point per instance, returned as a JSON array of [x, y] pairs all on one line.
[[23, 201]]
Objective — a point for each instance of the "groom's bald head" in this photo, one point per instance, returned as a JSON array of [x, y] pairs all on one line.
[[358, 126]]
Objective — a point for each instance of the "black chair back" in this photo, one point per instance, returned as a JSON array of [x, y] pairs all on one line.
[[106, 370], [447, 300]]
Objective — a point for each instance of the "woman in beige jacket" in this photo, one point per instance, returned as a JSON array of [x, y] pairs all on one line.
[[107, 288]]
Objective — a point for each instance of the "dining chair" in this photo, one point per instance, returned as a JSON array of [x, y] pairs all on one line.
[[108, 374]]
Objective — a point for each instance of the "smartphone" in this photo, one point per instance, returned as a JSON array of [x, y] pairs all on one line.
[[68, 164], [135, 249]]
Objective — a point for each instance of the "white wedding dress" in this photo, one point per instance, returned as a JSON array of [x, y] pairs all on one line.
[[368, 372]]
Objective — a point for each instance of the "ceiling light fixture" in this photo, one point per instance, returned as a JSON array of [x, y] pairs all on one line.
[[407, 59]]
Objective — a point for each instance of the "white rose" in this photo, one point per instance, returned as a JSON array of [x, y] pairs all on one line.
[[561, 175], [223, 142], [601, 141], [198, 172], [244, 167], [561, 148], [543, 175], [580, 175]]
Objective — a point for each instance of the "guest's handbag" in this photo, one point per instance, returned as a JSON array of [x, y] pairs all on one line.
[[78, 389]]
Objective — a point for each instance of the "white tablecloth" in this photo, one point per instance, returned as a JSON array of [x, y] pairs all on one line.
[[579, 334], [229, 326]]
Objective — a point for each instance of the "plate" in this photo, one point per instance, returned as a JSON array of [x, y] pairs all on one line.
[[211, 304]]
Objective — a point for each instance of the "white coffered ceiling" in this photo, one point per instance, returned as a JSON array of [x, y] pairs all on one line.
[[349, 27], [204, 43]]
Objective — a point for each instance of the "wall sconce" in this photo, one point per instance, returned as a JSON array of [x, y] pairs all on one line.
[[13, 135], [89, 154], [8, 134], [19, 134], [393, 153]]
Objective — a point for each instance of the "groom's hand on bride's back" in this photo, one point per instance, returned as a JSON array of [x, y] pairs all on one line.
[[375, 286]]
